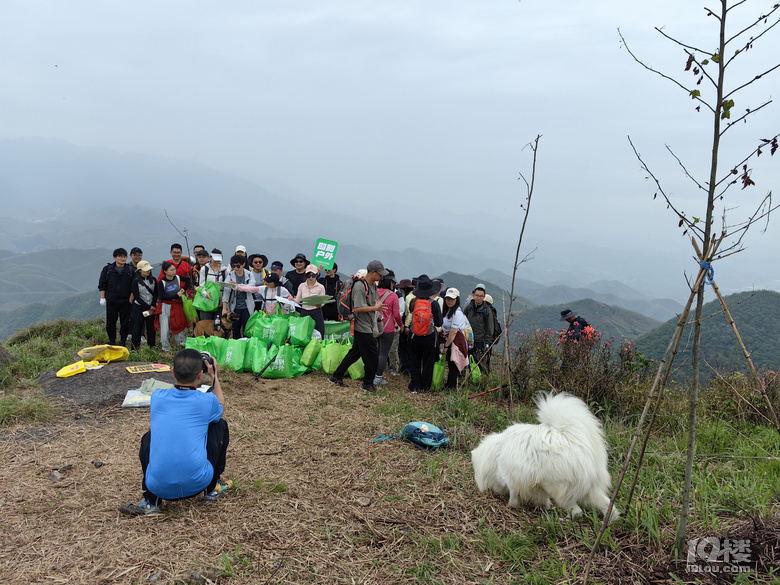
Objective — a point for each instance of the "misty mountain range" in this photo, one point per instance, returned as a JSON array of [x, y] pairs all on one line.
[[61, 196]]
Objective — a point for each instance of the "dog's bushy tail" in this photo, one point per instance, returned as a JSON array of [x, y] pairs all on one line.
[[563, 411]]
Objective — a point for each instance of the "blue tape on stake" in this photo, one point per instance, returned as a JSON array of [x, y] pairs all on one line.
[[709, 272]]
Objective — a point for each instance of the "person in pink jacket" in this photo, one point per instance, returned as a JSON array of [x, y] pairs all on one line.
[[391, 318], [311, 287]]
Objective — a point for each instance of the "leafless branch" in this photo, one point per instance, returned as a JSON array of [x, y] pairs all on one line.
[[672, 79], [677, 42], [766, 143], [682, 166], [745, 115], [688, 223], [751, 25], [756, 78], [526, 258], [763, 210]]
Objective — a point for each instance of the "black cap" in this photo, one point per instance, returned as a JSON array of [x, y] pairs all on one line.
[[136, 249]]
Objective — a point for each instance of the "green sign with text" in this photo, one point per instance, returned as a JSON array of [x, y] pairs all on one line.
[[324, 253]]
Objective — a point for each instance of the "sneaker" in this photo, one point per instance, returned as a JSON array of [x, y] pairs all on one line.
[[393, 373], [368, 387], [220, 488], [380, 381], [337, 381], [143, 509]]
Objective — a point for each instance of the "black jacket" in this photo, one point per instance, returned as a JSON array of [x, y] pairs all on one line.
[[481, 321], [575, 328], [332, 287], [116, 282]]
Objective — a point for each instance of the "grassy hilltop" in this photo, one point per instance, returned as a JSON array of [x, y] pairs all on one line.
[[316, 501]]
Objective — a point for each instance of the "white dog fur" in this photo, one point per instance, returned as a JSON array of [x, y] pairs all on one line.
[[563, 458]]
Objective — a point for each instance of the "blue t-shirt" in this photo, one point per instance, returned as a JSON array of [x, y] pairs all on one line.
[[180, 419]]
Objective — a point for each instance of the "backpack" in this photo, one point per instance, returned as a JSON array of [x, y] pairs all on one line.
[[497, 330], [420, 434], [422, 317], [344, 298]]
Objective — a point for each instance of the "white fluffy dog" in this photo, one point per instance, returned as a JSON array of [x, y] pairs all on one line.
[[563, 458]]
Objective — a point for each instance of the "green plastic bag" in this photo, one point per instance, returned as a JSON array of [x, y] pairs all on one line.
[[217, 345], [298, 368], [282, 366], [317, 365], [301, 329], [270, 329], [262, 355], [251, 344], [339, 330], [357, 371], [330, 355], [233, 356], [189, 310], [476, 373], [198, 344], [251, 323], [439, 369], [310, 352], [202, 303]]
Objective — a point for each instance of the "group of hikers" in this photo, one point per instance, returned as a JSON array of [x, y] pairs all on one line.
[[397, 326]]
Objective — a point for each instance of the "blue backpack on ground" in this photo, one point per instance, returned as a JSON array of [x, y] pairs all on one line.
[[420, 434]]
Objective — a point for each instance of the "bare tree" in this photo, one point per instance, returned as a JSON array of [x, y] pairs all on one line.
[[705, 73]]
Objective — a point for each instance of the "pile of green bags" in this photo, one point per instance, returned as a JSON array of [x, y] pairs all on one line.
[[280, 346]]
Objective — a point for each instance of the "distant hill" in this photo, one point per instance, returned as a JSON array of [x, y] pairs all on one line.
[[606, 319], [80, 307], [758, 321], [49, 276], [465, 284], [609, 292]]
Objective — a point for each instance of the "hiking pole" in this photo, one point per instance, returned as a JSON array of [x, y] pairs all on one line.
[[489, 391], [261, 372]]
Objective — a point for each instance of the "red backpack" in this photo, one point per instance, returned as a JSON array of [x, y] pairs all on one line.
[[422, 317]]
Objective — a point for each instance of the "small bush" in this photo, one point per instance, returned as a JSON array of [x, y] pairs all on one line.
[[738, 397]]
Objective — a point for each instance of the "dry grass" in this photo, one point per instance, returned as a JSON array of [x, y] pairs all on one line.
[[309, 440], [316, 501]]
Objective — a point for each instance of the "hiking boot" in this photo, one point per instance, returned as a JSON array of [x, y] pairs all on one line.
[[368, 387], [380, 381], [219, 489], [337, 381], [143, 509]]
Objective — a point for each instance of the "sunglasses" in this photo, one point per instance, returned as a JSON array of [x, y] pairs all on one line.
[[257, 261], [300, 262], [310, 275], [236, 265]]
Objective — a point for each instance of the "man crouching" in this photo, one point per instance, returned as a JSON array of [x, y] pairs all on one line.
[[184, 452]]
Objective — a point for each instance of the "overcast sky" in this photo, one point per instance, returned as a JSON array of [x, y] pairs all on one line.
[[408, 104]]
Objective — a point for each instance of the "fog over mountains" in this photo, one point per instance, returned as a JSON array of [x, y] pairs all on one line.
[[73, 204]]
